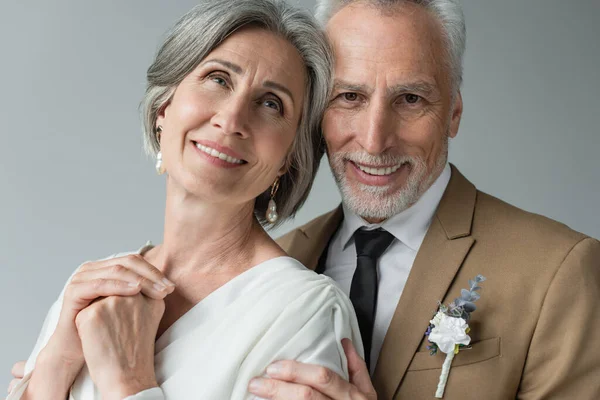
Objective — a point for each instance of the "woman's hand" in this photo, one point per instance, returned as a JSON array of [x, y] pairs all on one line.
[[118, 335], [62, 358]]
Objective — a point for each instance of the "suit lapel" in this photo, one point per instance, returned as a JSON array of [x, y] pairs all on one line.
[[441, 255], [311, 241]]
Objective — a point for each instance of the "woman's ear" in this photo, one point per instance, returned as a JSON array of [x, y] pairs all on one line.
[[285, 166], [161, 115]]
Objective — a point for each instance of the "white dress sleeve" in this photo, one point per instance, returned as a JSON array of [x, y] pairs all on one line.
[[310, 330]]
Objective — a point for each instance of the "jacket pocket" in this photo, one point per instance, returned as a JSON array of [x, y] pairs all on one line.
[[479, 351]]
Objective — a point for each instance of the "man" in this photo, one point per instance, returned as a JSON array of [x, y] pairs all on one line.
[[395, 104]]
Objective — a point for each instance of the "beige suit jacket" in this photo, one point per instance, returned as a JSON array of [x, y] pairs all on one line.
[[536, 331]]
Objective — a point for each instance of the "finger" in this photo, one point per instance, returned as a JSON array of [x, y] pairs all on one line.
[[136, 263], [315, 376], [83, 293], [357, 369], [12, 385], [272, 389], [119, 272], [18, 370]]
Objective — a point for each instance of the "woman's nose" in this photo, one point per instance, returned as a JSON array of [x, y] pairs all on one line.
[[232, 117]]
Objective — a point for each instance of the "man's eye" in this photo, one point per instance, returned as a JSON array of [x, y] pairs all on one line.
[[350, 96], [412, 98]]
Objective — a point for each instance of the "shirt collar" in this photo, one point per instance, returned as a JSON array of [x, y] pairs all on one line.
[[409, 226]]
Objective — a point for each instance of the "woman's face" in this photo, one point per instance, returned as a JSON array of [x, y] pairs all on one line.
[[230, 123]]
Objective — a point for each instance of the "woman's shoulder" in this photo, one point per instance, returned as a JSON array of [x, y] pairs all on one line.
[[293, 313], [294, 272], [287, 280], [306, 315]]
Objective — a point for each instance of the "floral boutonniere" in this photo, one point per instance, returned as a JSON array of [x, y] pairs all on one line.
[[448, 330]]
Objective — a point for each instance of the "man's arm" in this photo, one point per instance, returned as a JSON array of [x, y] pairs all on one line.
[[563, 361]]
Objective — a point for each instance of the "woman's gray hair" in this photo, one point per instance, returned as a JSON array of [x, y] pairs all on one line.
[[448, 12], [206, 26]]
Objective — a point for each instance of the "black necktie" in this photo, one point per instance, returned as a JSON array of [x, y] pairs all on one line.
[[363, 291]]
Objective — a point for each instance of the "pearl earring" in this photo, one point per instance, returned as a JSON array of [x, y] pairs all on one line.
[[159, 164], [272, 215], [160, 169]]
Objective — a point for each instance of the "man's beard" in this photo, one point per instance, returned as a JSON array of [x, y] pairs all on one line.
[[383, 202]]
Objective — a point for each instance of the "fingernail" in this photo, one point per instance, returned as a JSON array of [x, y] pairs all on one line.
[[256, 385], [160, 288], [133, 284], [274, 369], [168, 282]]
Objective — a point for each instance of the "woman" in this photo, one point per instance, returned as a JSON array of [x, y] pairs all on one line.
[[232, 113]]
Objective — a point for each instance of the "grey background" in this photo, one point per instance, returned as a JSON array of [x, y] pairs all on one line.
[[76, 185]]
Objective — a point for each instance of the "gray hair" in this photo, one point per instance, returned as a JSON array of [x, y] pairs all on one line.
[[448, 12], [206, 26]]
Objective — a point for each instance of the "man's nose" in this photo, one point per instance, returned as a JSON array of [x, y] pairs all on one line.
[[232, 116], [375, 135]]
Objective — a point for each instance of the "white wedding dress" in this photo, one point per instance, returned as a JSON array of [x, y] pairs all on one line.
[[276, 310]]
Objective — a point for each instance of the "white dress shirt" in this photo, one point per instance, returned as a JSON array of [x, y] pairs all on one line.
[[409, 228]]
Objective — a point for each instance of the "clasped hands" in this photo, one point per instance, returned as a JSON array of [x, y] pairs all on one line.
[[109, 319], [110, 315]]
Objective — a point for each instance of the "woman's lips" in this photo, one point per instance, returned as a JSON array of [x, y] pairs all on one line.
[[228, 152], [216, 157]]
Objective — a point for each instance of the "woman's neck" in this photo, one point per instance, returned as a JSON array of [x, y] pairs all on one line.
[[207, 237]]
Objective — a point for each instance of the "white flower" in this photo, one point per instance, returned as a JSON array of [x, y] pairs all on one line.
[[448, 332], [437, 319]]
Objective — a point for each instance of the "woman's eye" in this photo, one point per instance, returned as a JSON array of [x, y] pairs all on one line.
[[412, 98], [219, 80], [275, 105], [350, 96]]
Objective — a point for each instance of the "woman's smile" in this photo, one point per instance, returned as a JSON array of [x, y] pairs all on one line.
[[218, 155]]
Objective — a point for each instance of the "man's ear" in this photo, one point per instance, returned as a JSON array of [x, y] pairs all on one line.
[[456, 115]]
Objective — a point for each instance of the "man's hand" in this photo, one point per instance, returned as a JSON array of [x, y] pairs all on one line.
[[291, 380], [18, 371]]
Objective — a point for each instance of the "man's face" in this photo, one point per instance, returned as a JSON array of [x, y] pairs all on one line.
[[391, 111]]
